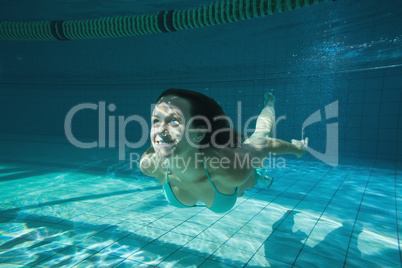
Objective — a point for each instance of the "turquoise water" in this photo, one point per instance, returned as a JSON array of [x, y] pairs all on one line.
[[87, 212], [61, 206]]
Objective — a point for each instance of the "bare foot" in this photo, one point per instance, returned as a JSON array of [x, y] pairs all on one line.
[[269, 99], [261, 175]]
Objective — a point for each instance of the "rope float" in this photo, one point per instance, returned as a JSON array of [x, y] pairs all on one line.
[[220, 12]]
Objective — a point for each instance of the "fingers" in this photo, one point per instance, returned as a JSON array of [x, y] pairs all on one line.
[[302, 143], [306, 142]]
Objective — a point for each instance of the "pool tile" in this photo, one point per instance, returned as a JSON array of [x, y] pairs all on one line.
[[201, 247], [143, 218], [256, 228], [231, 256], [130, 263], [182, 259], [295, 240], [217, 235], [262, 261], [127, 226], [152, 254], [215, 264], [362, 261], [308, 259], [272, 215], [333, 246], [165, 223], [148, 234], [190, 228], [324, 228], [174, 240], [99, 240], [281, 252], [183, 215], [245, 242], [67, 257], [14, 248], [370, 247], [382, 224], [124, 247], [100, 260], [122, 215], [267, 228]]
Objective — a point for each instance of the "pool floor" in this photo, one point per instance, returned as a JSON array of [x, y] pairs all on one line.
[[61, 206]]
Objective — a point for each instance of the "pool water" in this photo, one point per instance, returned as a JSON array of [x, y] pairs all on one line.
[[86, 211], [336, 71]]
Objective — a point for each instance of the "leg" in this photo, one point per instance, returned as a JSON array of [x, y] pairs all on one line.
[[259, 175], [265, 121], [264, 127]]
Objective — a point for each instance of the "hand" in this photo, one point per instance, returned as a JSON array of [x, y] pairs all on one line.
[[301, 146]]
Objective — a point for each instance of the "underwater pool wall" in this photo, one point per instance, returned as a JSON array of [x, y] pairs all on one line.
[[344, 52]]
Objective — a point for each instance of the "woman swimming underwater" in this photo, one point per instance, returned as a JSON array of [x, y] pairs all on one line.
[[197, 156]]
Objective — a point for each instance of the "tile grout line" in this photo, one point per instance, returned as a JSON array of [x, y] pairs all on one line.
[[212, 225], [329, 202], [286, 215], [278, 196], [396, 179], [396, 210], [249, 221], [97, 251], [161, 218], [357, 216], [168, 231], [360, 210]]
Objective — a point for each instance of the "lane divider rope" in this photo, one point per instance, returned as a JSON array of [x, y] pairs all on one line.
[[224, 11]]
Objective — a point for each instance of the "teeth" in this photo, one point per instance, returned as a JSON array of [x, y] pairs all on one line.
[[164, 142]]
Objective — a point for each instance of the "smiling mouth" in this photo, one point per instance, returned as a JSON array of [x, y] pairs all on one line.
[[163, 142]]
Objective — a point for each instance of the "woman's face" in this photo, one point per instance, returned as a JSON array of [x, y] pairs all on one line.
[[169, 125]]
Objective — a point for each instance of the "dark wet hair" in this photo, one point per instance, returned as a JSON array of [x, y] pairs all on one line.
[[202, 105]]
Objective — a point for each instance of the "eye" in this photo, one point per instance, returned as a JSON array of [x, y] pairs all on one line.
[[155, 121], [175, 122]]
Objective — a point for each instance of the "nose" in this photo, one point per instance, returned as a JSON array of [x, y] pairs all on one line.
[[163, 134], [162, 131]]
